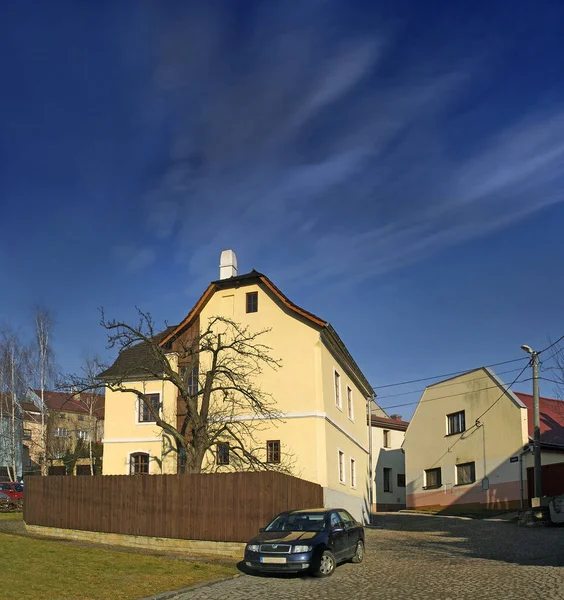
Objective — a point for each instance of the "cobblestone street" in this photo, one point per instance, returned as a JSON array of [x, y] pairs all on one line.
[[420, 557]]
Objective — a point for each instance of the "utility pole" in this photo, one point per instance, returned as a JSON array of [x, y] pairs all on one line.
[[536, 421]]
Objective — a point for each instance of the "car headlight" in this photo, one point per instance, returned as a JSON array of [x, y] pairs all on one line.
[[300, 549], [253, 547]]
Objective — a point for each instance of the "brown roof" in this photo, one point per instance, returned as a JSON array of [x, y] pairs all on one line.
[[65, 402], [236, 282], [389, 423], [128, 360]]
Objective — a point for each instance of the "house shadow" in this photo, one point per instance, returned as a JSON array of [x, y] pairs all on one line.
[[447, 538]]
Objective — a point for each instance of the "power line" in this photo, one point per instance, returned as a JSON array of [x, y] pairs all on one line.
[[505, 362], [491, 387], [475, 426], [445, 385], [553, 344], [508, 387]]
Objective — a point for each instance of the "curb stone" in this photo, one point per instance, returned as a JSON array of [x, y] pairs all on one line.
[[190, 588]]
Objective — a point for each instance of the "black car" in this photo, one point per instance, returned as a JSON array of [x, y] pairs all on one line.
[[298, 540]]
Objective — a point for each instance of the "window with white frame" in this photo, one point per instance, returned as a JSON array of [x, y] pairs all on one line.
[[465, 473], [82, 434], [433, 478], [342, 475], [144, 412], [350, 405], [338, 400], [456, 423], [387, 443], [139, 463], [192, 381], [61, 432], [353, 473]]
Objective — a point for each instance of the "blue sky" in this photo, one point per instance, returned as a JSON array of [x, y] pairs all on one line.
[[396, 169]]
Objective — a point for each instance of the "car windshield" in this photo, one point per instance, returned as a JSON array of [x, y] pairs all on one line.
[[298, 522], [18, 487]]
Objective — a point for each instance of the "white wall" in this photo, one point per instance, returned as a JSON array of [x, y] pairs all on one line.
[[390, 458], [358, 507]]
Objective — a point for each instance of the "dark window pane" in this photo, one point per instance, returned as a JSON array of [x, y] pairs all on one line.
[[456, 422], [145, 415], [433, 478], [465, 473], [223, 453], [139, 463], [273, 451], [387, 479], [401, 479], [192, 383], [252, 302]]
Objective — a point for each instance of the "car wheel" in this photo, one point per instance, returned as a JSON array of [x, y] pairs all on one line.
[[359, 553], [327, 564]]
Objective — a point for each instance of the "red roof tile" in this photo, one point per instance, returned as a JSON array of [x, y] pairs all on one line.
[[64, 401], [388, 422], [551, 418]]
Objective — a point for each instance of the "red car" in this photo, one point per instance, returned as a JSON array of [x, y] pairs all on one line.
[[12, 489]]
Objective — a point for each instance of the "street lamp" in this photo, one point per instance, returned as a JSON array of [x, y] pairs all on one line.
[[536, 418]]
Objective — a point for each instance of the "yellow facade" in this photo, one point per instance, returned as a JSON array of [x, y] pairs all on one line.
[[313, 428], [495, 431]]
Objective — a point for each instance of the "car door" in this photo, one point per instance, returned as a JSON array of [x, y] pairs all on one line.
[[351, 531], [337, 536]]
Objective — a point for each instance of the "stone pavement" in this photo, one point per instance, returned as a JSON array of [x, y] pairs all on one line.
[[420, 557]]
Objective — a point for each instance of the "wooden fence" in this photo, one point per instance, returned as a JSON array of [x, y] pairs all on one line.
[[229, 507]]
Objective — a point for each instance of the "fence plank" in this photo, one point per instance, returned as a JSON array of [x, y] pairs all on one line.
[[215, 507]]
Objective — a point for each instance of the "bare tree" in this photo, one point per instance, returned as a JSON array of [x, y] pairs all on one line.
[[216, 373], [14, 367], [45, 370], [91, 399]]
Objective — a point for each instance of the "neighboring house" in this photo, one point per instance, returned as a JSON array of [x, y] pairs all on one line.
[[469, 444], [320, 390], [10, 438], [388, 434], [70, 428]]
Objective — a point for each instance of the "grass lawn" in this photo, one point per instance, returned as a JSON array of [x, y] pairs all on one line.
[[48, 570]]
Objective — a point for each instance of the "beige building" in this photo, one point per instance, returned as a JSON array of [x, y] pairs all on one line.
[[319, 390], [70, 427], [468, 445], [388, 434]]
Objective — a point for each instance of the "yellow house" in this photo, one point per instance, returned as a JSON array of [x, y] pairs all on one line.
[[468, 444], [319, 391]]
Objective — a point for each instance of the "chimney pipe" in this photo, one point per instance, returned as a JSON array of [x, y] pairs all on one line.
[[227, 264]]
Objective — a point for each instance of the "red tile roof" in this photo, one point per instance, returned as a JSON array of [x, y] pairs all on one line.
[[551, 418], [389, 423], [64, 401]]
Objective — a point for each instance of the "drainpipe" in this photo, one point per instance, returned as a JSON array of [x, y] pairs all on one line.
[[371, 488]]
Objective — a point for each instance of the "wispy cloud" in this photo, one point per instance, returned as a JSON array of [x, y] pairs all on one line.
[[297, 144], [134, 258]]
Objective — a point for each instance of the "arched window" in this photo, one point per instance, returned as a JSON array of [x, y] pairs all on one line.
[[139, 463]]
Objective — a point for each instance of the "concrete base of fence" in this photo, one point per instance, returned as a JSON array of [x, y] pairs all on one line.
[[197, 547]]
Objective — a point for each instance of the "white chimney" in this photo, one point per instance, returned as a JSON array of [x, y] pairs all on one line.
[[227, 264]]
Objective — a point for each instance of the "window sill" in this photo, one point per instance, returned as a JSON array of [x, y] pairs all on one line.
[[432, 487], [464, 484], [342, 482], [456, 433], [339, 407]]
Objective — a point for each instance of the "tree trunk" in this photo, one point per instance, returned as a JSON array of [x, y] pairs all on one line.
[[91, 428]]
